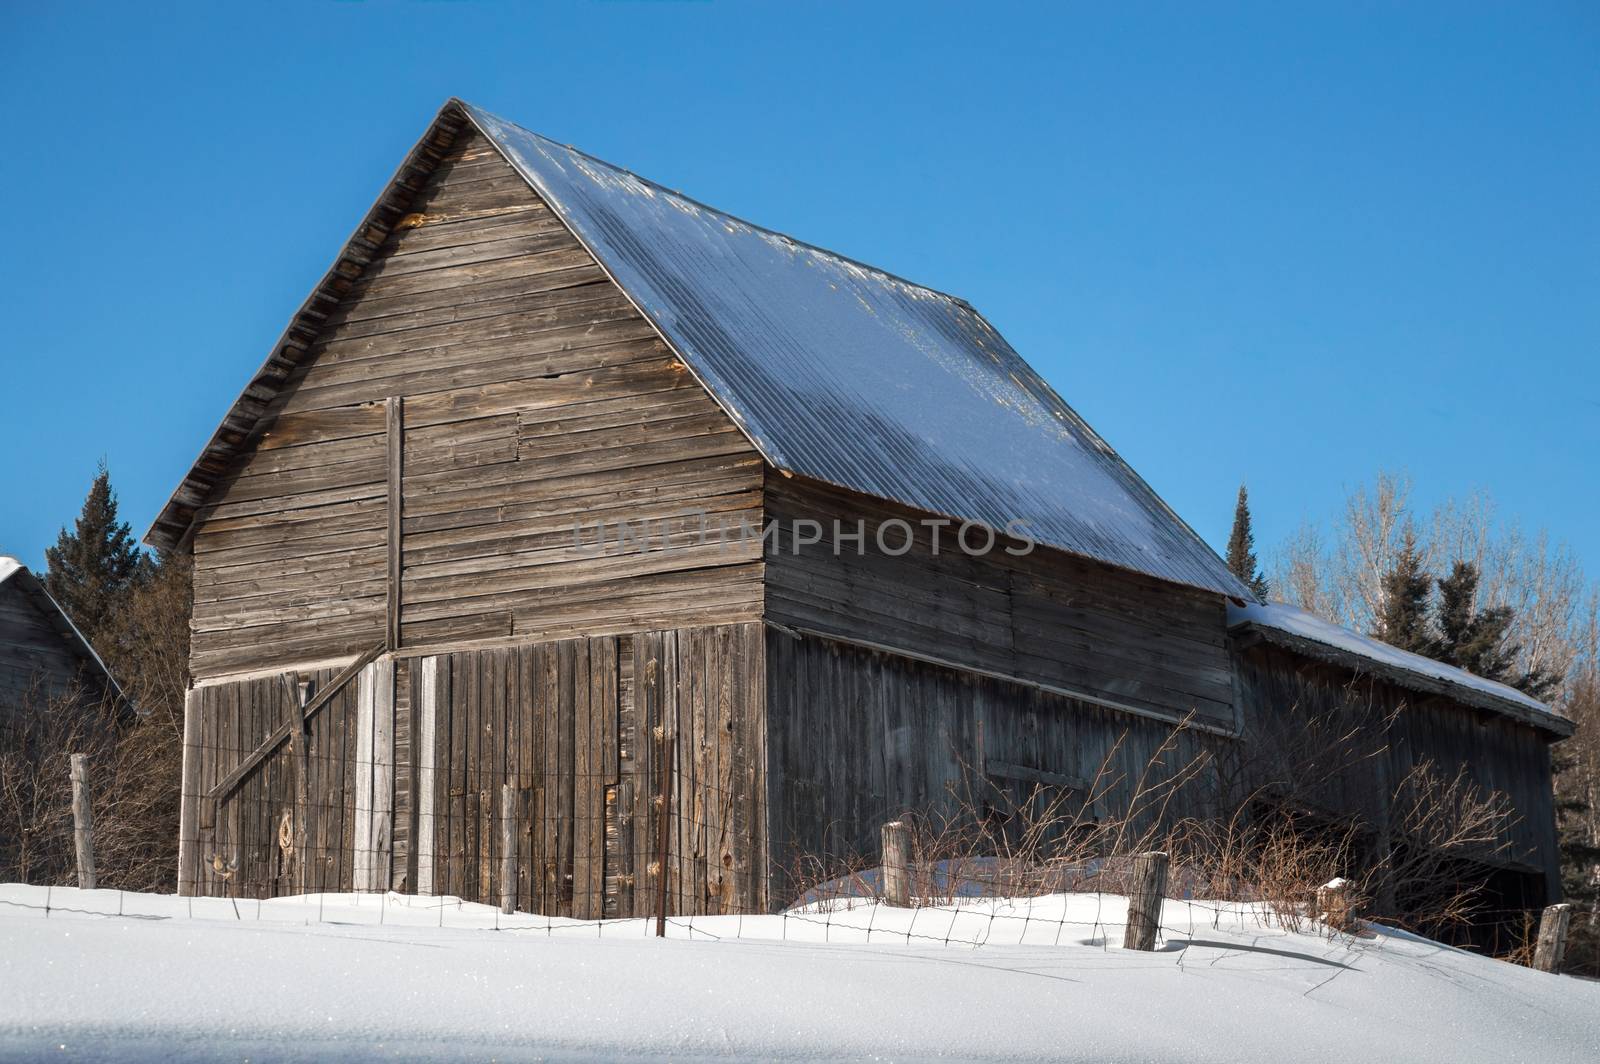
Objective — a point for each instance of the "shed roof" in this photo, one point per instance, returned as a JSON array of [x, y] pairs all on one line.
[[13, 572], [850, 375], [1308, 634]]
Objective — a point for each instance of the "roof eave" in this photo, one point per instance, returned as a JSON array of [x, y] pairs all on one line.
[[1548, 721], [247, 416]]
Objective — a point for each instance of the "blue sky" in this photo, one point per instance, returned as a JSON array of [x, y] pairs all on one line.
[[1287, 248]]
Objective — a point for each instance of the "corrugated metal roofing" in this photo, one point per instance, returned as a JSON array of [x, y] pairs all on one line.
[[846, 374], [1310, 631]]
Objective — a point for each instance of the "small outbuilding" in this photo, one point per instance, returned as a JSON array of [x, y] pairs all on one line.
[[45, 662]]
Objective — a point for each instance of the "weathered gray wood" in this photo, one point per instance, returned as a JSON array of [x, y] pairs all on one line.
[[897, 864], [425, 691], [467, 379], [508, 848], [82, 821], [1147, 889], [299, 747], [668, 748], [1334, 904], [281, 734], [394, 410], [382, 825], [190, 797], [1552, 944]]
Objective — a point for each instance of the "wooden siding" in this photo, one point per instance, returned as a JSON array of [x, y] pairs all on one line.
[[577, 726], [1281, 693], [857, 737], [534, 397], [38, 661], [1044, 617]]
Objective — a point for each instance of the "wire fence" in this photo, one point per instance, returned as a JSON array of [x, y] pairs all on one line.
[[1095, 919]]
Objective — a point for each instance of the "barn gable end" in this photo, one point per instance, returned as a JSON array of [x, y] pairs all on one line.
[[529, 397]]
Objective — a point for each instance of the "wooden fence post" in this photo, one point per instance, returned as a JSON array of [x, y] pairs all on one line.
[[82, 821], [1333, 904], [1144, 901], [508, 849], [897, 864], [1552, 938]]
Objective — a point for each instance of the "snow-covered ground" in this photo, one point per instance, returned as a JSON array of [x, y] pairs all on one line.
[[353, 977]]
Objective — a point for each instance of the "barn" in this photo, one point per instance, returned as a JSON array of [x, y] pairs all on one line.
[[44, 659], [707, 542]]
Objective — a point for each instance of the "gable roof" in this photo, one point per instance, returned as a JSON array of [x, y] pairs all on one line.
[[1305, 633], [834, 370], [17, 575]]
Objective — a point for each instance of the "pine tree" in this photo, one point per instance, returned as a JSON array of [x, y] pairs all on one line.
[[1242, 548], [1406, 587], [1479, 640], [90, 569]]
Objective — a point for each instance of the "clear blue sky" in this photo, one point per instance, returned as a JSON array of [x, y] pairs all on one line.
[[1249, 244]]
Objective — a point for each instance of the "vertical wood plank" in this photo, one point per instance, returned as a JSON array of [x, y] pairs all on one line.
[[394, 422], [189, 797], [382, 823], [361, 836], [425, 698]]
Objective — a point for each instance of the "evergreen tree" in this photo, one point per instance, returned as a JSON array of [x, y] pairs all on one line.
[[90, 569], [1406, 587], [1242, 548], [1479, 640]]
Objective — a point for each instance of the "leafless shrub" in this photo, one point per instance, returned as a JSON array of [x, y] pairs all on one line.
[[39, 732], [1422, 866]]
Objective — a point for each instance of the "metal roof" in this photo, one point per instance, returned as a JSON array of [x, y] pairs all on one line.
[[1305, 633], [846, 374]]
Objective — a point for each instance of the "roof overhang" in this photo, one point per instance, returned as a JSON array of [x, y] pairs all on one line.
[[1466, 694]]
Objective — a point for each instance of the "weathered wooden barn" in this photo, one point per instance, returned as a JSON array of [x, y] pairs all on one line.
[[559, 473], [1300, 674], [45, 662]]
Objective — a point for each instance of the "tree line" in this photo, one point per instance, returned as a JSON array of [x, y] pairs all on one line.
[[133, 606]]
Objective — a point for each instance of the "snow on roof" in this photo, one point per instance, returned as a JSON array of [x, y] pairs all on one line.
[[8, 566], [1309, 628]]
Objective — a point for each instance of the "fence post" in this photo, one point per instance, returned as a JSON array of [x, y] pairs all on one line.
[[82, 821], [508, 849], [897, 864], [1333, 904], [1552, 938], [1144, 901]]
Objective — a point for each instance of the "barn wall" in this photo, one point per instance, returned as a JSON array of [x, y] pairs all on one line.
[[571, 724], [533, 398], [37, 662], [1045, 617], [1282, 694], [857, 737]]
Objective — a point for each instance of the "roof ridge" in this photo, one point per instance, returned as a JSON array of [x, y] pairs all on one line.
[[474, 110]]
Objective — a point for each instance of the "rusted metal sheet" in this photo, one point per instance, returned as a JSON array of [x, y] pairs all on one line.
[[846, 374]]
